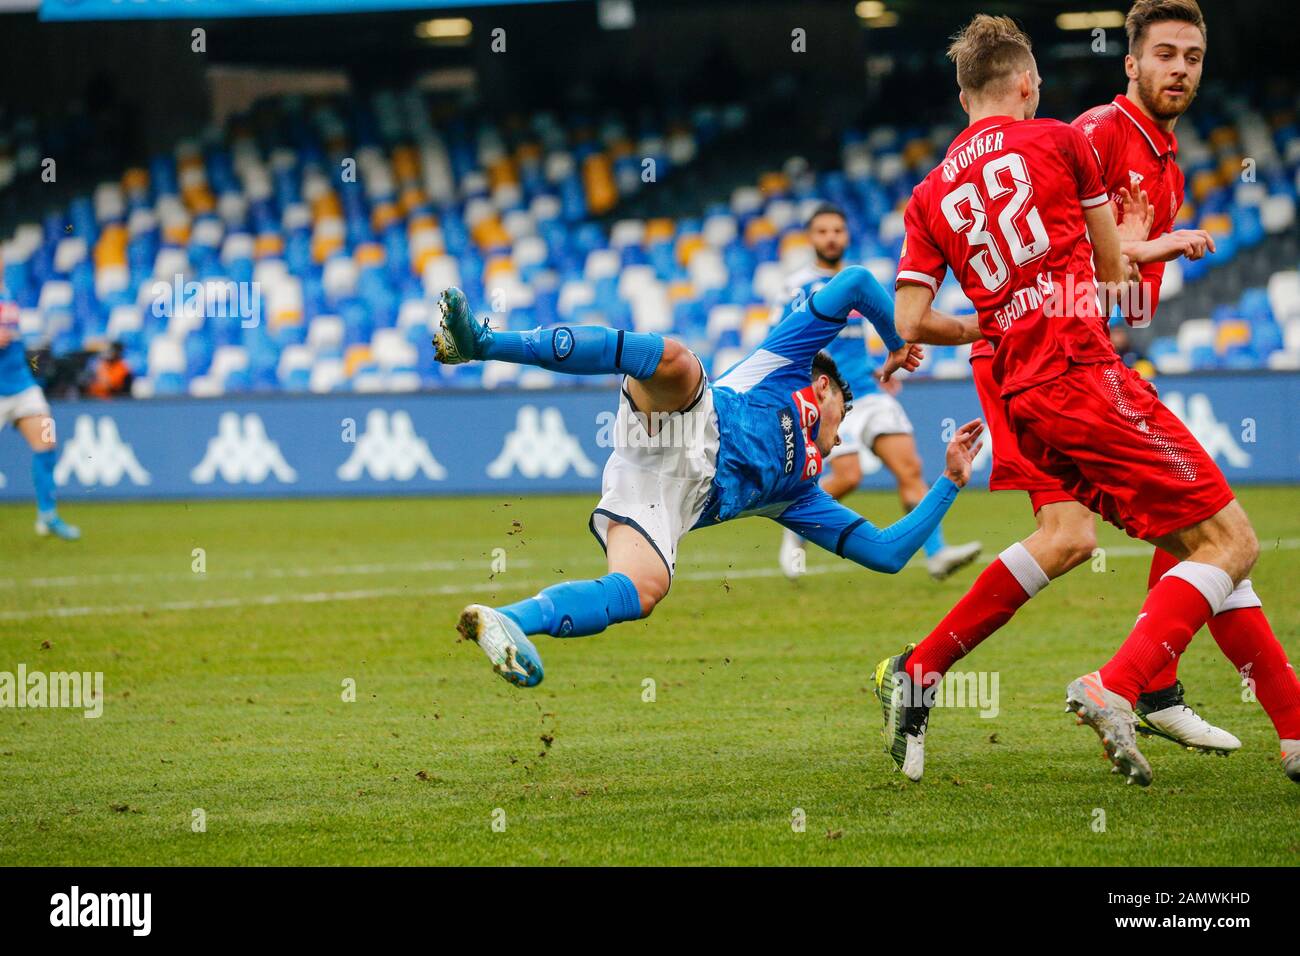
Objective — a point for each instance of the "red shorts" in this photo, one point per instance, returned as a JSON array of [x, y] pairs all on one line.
[[1102, 433], [1012, 471]]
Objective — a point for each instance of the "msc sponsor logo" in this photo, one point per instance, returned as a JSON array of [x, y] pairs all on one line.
[[97, 455], [389, 449], [540, 447], [241, 451], [787, 439]]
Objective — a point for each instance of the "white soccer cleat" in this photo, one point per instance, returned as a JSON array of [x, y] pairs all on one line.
[[952, 558], [512, 654], [1112, 718], [1166, 714], [1291, 759], [793, 557]]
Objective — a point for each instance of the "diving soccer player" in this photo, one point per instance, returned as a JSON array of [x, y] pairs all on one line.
[[23, 404], [877, 421], [1018, 210], [751, 443]]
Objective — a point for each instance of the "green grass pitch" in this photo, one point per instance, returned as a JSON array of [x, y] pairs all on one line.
[[225, 694]]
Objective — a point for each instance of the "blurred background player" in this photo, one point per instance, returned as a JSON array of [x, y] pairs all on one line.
[[688, 454], [877, 422], [23, 404]]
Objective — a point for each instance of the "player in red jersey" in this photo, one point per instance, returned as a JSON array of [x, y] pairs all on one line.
[[1134, 143], [1017, 209]]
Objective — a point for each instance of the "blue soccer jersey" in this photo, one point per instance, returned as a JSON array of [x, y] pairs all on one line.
[[768, 461], [767, 416], [15, 373]]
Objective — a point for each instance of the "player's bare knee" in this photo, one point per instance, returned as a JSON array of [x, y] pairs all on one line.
[[676, 365], [650, 595], [1073, 543]]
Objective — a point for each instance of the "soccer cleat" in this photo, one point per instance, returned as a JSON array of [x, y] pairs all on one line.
[[792, 556], [513, 655], [905, 713], [458, 338], [1165, 714], [1112, 718], [952, 558], [1291, 759], [58, 527]]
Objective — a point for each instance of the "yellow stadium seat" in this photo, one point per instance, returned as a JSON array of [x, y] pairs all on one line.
[[758, 229], [680, 291], [1203, 183], [383, 215], [370, 254], [355, 357], [687, 246], [1219, 224], [659, 230], [488, 233], [774, 183], [598, 181], [1230, 333], [790, 241], [268, 245]]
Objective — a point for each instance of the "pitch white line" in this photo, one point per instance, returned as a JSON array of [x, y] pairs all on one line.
[[246, 574], [320, 597]]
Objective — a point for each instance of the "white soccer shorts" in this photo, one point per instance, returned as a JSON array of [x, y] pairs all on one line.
[[657, 478], [25, 404], [871, 416]]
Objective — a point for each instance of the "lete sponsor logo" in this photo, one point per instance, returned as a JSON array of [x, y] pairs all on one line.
[[389, 449], [241, 451]]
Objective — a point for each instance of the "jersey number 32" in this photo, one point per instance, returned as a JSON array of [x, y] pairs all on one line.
[[1021, 226]]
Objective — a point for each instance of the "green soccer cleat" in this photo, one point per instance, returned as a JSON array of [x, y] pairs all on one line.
[[905, 712], [459, 339]]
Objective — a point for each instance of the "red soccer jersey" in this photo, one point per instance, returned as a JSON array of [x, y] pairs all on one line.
[[1004, 211], [1135, 152]]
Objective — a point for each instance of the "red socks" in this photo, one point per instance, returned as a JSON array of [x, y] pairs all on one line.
[[1161, 562], [1246, 639], [1174, 610], [994, 597]]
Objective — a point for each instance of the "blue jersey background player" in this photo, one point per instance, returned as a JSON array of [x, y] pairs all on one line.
[[877, 423], [688, 454], [23, 404]]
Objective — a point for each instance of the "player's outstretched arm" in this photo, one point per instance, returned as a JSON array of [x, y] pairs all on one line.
[[855, 289], [830, 525], [918, 321]]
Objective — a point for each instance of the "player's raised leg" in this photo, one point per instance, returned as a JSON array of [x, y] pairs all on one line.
[[661, 377], [578, 350]]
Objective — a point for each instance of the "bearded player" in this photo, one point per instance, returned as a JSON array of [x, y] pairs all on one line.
[[1018, 210], [877, 422], [690, 454]]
